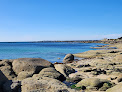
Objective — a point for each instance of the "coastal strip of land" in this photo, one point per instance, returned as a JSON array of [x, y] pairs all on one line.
[[105, 41]]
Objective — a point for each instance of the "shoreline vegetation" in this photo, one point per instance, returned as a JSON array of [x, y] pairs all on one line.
[[99, 71]]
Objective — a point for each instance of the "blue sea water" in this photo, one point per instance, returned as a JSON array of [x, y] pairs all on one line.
[[50, 51]]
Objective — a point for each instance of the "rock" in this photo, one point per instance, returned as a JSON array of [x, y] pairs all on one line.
[[44, 84], [93, 82], [30, 65], [8, 72], [91, 54], [52, 73], [64, 69], [117, 88], [58, 58], [22, 75], [68, 58], [12, 86], [78, 75], [6, 68]]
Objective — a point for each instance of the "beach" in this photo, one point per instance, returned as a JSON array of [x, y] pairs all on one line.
[[98, 71]]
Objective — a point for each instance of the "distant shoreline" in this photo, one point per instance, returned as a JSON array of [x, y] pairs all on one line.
[[53, 41], [109, 41], [105, 41]]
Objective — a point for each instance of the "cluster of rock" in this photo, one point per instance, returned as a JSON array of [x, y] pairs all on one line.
[[33, 75], [100, 70]]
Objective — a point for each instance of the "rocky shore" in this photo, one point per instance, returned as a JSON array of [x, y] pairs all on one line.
[[103, 64], [98, 71]]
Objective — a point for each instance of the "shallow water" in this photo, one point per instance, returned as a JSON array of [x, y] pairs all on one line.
[[50, 51]]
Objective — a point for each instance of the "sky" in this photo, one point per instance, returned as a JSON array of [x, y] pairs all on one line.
[[37, 20]]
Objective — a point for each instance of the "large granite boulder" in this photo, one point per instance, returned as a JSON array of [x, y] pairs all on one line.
[[64, 69], [51, 73], [30, 65], [44, 84], [117, 88], [68, 58], [93, 82]]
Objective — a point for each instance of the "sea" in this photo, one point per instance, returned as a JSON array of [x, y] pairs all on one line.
[[51, 51]]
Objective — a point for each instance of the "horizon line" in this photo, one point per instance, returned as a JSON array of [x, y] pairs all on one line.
[[50, 41]]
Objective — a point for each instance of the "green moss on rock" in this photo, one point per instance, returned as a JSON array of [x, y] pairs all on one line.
[[78, 88]]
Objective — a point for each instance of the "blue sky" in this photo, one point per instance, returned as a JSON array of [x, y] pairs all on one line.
[[35, 20]]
